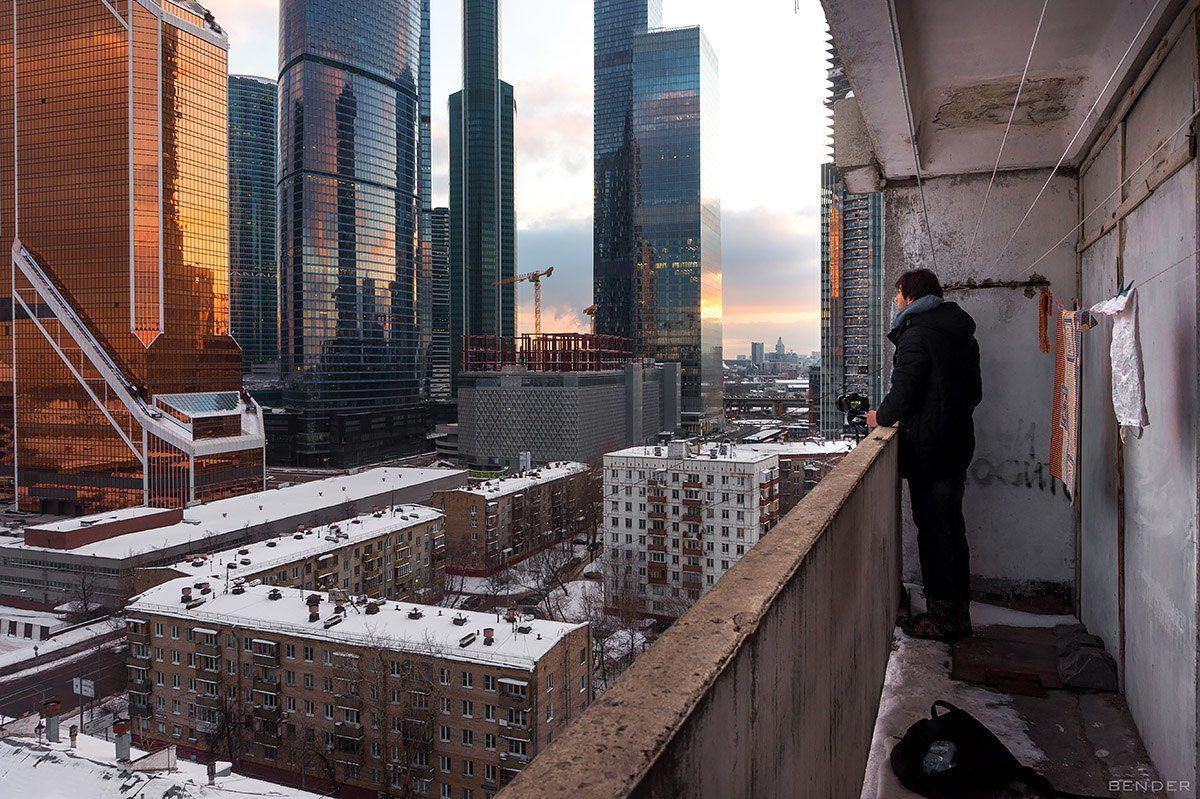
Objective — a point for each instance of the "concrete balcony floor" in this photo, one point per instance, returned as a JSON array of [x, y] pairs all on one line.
[[1081, 741]]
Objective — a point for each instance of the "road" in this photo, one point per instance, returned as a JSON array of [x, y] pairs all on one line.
[[25, 694]]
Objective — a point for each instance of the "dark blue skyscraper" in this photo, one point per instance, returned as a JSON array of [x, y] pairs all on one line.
[[614, 248], [483, 246], [677, 215], [439, 240], [253, 291], [350, 201]]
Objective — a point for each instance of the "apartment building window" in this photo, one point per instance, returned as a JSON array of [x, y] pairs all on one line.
[[549, 711], [289, 651], [468, 709], [445, 706], [174, 632], [310, 707], [447, 791], [444, 764], [175, 682], [158, 629], [468, 737], [328, 711], [489, 712], [327, 657], [516, 747], [489, 682], [468, 679], [352, 771], [444, 733], [582, 683], [489, 741], [468, 769], [444, 676], [308, 654]]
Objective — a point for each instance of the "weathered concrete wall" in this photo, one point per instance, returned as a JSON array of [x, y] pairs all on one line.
[[768, 687], [1020, 524], [1159, 501]]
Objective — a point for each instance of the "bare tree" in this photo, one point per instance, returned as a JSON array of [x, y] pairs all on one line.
[[399, 695]]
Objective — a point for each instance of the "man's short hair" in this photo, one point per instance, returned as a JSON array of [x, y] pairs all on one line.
[[918, 283]]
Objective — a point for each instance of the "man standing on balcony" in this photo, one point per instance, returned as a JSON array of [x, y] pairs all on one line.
[[935, 387]]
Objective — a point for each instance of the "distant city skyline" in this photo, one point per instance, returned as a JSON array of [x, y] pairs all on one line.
[[769, 191]]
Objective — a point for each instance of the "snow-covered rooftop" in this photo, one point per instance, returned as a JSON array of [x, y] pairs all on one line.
[[502, 486], [729, 453], [104, 517], [90, 771], [264, 555], [800, 447], [210, 519], [433, 632], [741, 452]]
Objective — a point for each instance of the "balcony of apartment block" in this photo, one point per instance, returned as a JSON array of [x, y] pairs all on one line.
[[813, 607], [797, 682], [269, 714], [208, 650]]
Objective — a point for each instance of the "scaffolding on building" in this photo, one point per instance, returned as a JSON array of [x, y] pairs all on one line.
[[548, 352]]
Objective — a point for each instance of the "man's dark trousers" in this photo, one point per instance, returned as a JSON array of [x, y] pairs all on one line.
[[941, 536]]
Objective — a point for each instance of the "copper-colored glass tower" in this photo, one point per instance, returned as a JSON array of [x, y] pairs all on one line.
[[120, 383]]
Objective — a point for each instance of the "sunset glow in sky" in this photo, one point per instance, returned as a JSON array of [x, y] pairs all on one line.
[[773, 140]]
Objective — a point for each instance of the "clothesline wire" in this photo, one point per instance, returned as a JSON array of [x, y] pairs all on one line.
[[1120, 185], [912, 136], [1139, 283], [1071, 143], [1004, 139]]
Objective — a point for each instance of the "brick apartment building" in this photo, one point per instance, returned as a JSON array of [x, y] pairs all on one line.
[[306, 689], [391, 553], [677, 517], [802, 464], [499, 522]]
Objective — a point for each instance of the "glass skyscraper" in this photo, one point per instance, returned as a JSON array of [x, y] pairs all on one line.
[[677, 219], [350, 200], [483, 246], [253, 290], [853, 301], [614, 247], [120, 382], [439, 238]]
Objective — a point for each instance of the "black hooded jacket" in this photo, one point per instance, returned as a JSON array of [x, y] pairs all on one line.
[[935, 387]]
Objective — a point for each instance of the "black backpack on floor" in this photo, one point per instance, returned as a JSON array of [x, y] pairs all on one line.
[[952, 755]]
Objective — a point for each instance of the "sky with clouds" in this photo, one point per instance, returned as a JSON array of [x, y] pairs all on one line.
[[771, 57]]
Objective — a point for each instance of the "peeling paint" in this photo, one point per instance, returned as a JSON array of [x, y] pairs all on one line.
[[1043, 100]]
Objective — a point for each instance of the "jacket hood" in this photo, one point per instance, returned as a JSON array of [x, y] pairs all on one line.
[[948, 318]]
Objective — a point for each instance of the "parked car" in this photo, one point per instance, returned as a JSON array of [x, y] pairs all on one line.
[[533, 598]]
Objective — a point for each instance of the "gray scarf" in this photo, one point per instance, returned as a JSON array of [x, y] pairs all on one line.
[[926, 303]]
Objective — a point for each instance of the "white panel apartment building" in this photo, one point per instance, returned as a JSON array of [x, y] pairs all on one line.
[[677, 517]]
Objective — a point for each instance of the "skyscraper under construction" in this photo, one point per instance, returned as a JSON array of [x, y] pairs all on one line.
[[853, 316]]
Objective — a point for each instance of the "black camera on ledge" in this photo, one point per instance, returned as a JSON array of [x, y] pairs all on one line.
[[855, 407]]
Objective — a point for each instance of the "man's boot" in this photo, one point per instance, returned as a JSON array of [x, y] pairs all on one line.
[[944, 621]]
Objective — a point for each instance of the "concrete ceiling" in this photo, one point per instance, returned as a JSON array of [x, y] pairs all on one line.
[[963, 59]]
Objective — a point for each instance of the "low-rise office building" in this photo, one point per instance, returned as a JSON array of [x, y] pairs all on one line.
[[91, 560], [391, 553], [495, 523], [676, 517], [308, 687], [560, 397]]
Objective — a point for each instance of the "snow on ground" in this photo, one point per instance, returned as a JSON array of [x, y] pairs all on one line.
[[55, 771], [22, 648], [918, 673], [577, 601], [983, 615]]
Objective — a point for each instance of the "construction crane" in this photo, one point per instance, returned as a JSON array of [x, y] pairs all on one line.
[[536, 279]]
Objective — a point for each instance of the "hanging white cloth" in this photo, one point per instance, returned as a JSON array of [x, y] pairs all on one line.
[[1128, 389]]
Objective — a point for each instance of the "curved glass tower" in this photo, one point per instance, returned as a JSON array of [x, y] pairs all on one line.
[[351, 265]]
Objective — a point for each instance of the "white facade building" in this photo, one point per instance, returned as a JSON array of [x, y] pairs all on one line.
[[677, 517]]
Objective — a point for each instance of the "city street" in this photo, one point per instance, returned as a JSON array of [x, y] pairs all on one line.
[[26, 694]]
